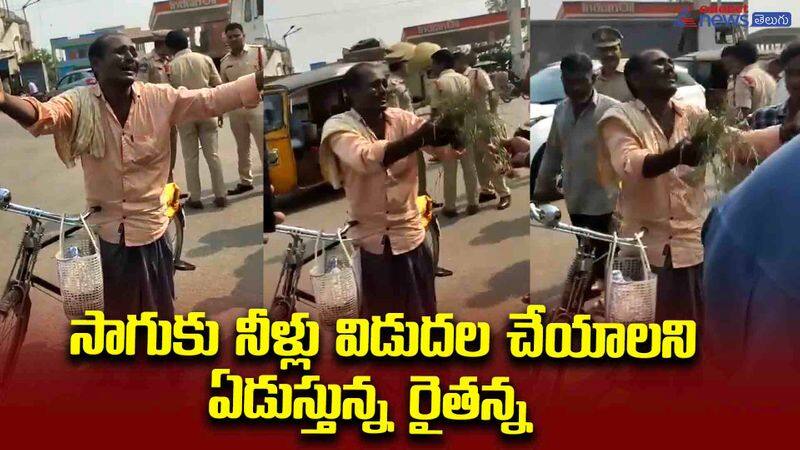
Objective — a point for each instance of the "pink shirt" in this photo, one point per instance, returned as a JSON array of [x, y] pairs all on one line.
[[127, 182], [381, 199], [670, 208]]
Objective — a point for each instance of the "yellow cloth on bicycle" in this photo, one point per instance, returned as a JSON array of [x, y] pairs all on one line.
[[171, 197], [425, 207]]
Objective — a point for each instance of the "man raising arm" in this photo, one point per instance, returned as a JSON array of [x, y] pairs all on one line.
[[119, 129]]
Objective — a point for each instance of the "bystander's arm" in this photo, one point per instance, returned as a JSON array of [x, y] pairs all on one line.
[[765, 141]]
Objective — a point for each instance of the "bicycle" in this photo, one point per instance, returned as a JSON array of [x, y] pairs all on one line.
[[287, 294], [15, 303], [577, 287]]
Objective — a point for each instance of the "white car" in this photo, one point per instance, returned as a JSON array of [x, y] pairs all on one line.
[[547, 92]]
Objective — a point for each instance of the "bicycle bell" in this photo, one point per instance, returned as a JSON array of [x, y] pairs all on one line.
[[5, 197], [551, 215]]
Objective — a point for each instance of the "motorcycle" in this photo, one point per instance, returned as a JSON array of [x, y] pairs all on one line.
[[516, 88]]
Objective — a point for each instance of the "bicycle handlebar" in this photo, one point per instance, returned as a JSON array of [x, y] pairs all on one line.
[[36, 213], [550, 216], [313, 234]]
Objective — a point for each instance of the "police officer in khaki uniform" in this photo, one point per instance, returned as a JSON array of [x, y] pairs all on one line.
[[243, 60], [449, 84], [154, 68], [399, 96], [196, 71], [492, 182], [611, 76]]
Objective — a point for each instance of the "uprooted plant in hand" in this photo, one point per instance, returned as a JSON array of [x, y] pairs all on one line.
[[477, 126], [721, 146]]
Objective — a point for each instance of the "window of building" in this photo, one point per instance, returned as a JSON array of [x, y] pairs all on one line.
[[260, 7], [248, 10]]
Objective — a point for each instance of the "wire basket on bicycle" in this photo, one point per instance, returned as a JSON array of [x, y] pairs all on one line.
[[630, 287], [335, 287], [80, 273]]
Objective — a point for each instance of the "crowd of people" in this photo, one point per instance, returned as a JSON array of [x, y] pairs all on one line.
[[122, 131], [625, 144]]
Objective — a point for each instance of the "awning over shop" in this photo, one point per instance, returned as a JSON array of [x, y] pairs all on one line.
[[174, 14], [450, 33]]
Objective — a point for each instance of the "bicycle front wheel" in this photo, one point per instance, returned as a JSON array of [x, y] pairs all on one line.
[[16, 310]]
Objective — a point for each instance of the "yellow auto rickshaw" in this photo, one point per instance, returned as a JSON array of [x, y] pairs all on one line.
[[295, 109]]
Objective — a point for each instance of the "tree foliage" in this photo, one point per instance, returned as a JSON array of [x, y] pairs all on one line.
[[46, 57]]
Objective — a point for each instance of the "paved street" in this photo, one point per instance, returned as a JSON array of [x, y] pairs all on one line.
[[225, 244], [487, 252]]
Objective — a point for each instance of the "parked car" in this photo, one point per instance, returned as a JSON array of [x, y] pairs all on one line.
[[82, 77], [547, 92]]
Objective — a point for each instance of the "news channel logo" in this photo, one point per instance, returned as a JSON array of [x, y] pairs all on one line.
[[702, 18], [772, 19]]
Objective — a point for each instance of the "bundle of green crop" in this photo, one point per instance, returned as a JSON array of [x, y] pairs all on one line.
[[478, 127], [723, 149]]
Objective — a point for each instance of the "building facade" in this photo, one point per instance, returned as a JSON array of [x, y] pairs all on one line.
[[206, 21], [72, 53], [670, 26], [486, 28], [15, 45]]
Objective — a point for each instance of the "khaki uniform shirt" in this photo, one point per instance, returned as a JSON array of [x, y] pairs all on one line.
[[481, 85], [449, 85], [753, 88], [614, 86], [397, 95], [193, 70], [234, 67], [154, 68]]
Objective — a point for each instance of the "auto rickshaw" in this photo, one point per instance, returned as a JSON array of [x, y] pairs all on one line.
[[295, 109]]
